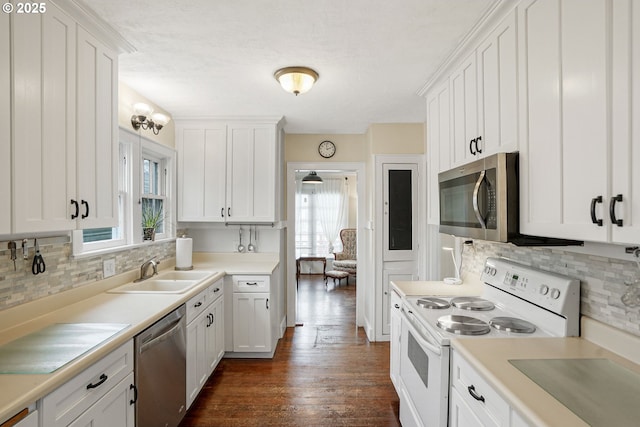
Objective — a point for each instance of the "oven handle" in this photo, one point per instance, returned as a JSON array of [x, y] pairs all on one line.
[[424, 341], [476, 208]]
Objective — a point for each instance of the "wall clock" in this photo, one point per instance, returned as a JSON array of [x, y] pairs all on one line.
[[327, 149]]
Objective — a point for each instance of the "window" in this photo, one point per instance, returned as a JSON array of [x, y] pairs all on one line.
[[145, 181]]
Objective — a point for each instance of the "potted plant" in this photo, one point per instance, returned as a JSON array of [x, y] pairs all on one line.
[[152, 217]]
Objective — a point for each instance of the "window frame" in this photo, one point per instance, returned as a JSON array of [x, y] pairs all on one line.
[[133, 148]]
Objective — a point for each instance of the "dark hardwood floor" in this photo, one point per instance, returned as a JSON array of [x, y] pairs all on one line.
[[324, 373]]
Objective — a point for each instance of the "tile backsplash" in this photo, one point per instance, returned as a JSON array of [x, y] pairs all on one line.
[[63, 272], [602, 279]]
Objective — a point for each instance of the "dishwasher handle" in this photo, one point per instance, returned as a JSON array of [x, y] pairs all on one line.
[[164, 335]]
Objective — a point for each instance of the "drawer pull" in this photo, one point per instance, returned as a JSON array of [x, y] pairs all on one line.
[[198, 304], [252, 283], [476, 396], [103, 378], [216, 290]]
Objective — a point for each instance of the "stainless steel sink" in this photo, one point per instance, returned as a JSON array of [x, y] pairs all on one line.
[[172, 282]]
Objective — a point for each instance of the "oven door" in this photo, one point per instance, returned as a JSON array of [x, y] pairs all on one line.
[[424, 372]]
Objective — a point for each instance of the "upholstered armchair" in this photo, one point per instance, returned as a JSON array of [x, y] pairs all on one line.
[[346, 260]]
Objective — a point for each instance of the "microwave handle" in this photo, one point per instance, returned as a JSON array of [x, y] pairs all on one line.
[[476, 209]]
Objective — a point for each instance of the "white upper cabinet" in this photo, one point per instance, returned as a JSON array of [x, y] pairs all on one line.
[[251, 173], [438, 146], [63, 123], [464, 112], [202, 149], [97, 118], [44, 93], [5, 122], [497, 63], [563, 118], [625, 129]]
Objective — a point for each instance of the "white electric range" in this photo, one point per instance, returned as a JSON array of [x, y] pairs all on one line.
[[517, 301]]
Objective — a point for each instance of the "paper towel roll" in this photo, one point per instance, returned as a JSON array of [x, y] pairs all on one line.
[[184, 252]]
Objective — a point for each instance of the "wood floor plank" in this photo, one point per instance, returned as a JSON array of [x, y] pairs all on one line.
[[324, 373]]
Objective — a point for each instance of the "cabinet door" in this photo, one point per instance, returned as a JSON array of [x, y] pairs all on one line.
[[202, 152], [438, 147], [97, 147], [625, 116], [218, 326], [460, 414], [197, 373], [403, 271], [44, 75], [400, 199], [251, 173], [497, 89], [464, 111], [396, 334], [116, 408], [5, 122], [563, 152], [251, 322]]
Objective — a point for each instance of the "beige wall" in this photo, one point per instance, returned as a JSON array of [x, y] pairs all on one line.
[[396, 138], [304, 147], [126, 98]]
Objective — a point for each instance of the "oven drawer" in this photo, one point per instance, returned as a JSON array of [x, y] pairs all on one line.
[[481, 398]]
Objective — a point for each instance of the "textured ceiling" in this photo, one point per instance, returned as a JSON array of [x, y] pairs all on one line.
[[217, 57]]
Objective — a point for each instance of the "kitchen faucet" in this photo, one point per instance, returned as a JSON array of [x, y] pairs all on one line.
[[144, 268]]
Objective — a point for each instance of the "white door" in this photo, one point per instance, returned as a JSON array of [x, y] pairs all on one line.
[[202, 152], [497, 89], [625, 116], [97, 146], [196, 363], [114, 409], [396, 272], [563, 152], [400, 211], [44, 76], [5, 122], [251, 322], [464, 112]]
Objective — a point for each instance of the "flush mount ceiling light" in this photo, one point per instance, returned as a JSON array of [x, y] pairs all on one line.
[[144, 118], [296, 80], [312, 178]]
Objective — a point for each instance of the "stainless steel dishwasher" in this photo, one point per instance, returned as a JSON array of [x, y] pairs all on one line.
[[160, 371]]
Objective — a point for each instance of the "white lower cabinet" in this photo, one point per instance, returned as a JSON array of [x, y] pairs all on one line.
[[205, 337], [251, 322], [102, 395], [396, 334], [474, 402]]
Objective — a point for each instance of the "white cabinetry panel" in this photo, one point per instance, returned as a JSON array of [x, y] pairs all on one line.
[[251, 322], [464, 110], [97, 148], [5, 121], [114, 409], [625, 115], [202, 155], [44, 57]]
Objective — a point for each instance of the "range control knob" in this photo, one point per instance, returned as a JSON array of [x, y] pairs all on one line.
[[544, 289], [555, 293]]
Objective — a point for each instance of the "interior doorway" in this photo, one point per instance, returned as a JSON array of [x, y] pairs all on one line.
[[314, 243]]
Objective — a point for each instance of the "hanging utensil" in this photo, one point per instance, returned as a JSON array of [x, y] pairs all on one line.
[[12, 249], [38, 265], [240, 246], [250, 248]]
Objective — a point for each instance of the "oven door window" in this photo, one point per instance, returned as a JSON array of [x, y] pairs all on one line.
[[419, 359]]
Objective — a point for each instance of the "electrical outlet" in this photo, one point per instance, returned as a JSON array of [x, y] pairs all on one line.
[[108, 268]]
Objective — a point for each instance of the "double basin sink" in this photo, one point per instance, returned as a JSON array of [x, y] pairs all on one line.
[[170, 282]]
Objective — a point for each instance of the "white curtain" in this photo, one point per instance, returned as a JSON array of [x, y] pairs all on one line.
[[332, 206]]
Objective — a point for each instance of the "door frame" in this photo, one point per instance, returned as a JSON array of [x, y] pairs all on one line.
[[362, 240]]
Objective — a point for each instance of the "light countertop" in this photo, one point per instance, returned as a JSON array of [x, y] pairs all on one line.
[[470, 286], [490, 358], [92, 304]]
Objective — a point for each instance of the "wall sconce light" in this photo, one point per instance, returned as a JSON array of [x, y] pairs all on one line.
[[312, 178], [144, 118], [296, 80]]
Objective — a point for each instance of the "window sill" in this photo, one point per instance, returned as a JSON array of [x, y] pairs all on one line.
[[115, 249]]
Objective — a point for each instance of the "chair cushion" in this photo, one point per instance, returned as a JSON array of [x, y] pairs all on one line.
[[348, 265]]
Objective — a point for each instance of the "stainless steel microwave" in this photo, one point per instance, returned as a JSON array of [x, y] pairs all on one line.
[[480, 199]]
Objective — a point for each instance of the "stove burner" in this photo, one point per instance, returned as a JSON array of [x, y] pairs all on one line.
[[512, 324], [472, 303], [463, 325], [433, 303]]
